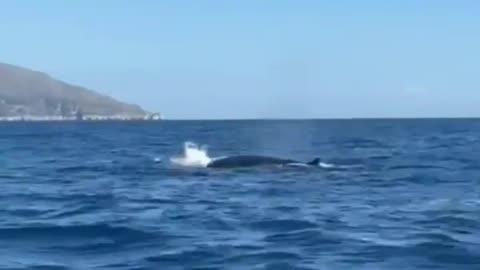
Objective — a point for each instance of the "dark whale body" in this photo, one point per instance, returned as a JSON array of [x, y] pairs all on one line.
[[253, 160]]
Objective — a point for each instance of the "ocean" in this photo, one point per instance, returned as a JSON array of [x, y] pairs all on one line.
[[389, 194]]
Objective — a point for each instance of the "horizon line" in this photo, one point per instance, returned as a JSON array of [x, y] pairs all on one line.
[[322, 118]]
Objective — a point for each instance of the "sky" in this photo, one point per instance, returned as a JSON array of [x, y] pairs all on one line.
[[205, 59]]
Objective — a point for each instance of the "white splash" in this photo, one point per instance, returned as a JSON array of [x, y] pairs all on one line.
[[326, 165], [193, 156]]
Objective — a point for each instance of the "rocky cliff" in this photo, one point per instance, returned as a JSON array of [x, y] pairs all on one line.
[[25, 92]]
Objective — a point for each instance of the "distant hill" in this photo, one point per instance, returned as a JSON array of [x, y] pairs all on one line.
[[33, 93]]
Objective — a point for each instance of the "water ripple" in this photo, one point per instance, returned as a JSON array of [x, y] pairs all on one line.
[[401, 195]]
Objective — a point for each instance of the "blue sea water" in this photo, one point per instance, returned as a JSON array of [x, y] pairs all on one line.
[[399, 194]]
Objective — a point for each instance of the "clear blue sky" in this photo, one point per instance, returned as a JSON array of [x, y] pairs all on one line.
[[253, 58]]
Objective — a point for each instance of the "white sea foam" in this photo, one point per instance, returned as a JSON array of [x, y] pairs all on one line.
[[193, 156], [326, 165]]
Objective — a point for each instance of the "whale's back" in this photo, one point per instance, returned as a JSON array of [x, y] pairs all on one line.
[[247, 161]]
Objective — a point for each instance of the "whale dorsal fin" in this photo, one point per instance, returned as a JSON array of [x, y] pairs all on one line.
[[314, 162]]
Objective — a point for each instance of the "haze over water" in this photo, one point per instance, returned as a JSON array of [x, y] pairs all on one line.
[[401, 194]]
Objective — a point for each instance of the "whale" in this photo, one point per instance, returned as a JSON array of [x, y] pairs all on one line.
[[257, 160]]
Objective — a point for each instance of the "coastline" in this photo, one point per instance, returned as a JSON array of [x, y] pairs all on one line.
[[52, 118]]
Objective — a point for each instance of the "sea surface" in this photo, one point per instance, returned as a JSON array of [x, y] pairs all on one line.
[[390, 194]]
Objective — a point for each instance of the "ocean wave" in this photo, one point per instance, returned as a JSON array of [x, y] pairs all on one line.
[[390, 202], [52, 232], [179, 257], [39, 267], [416, 166], [94, 168], [282, 225], [256, 257], [438, 248], [451, 221], [304, 238]]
